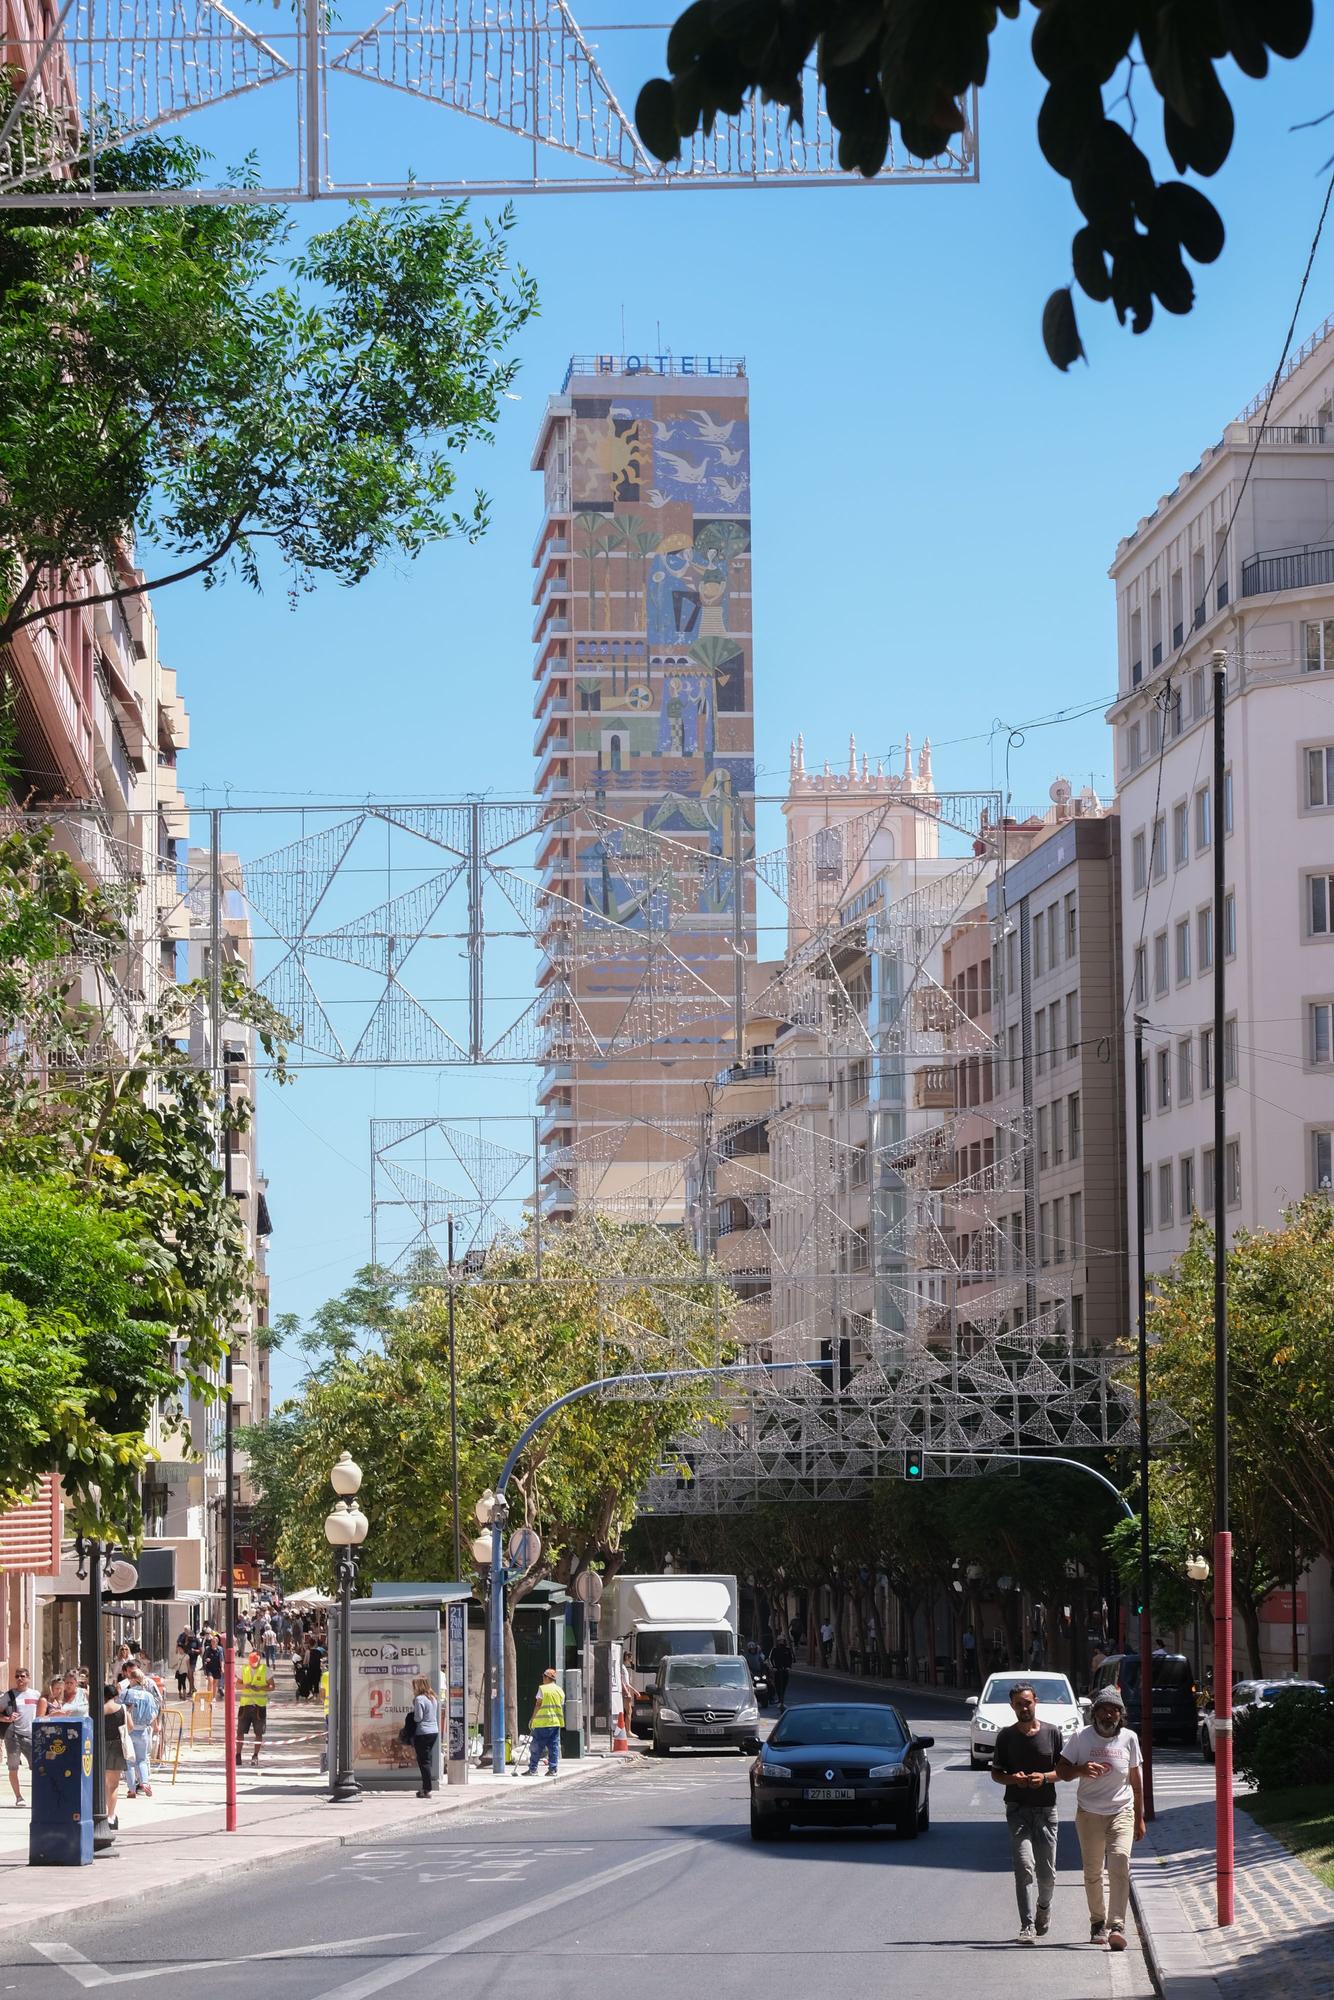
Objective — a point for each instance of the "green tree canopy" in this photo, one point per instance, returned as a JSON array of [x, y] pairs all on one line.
[[187, 380], [903, 66]]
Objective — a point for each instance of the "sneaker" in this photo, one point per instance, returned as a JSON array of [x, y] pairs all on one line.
[[1027, 1935], [1044, 1919], [1097, 1931], [1116, 1938]]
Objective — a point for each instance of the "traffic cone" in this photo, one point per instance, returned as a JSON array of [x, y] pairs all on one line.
[[620, 1742]]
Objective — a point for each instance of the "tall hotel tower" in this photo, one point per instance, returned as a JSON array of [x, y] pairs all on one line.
[[645, 725]]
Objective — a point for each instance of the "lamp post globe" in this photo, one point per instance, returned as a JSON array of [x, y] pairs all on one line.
[[359, 1524], [339, 1526], [482, 1509], [481, 1551], [345, 1477], [1197, 1569]]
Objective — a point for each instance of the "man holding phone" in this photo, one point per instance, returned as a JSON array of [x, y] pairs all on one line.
[[1024, 1761]]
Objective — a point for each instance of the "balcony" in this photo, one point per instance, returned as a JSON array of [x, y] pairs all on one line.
[[747, 1071], [933, 1088], [1279, 434], [1287, 569]]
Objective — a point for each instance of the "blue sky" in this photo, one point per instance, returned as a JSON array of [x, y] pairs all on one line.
[[934, 512]]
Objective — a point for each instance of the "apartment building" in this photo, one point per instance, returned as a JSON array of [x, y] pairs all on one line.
[[1057, 1002], [644, 710], [1263, 594]]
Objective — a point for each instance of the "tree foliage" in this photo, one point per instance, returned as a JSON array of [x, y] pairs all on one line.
[[902, 67], [117, 1235], [607, 1300], [186, 379]]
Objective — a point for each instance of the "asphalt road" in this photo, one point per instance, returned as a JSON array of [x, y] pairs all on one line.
[[641, 1883]]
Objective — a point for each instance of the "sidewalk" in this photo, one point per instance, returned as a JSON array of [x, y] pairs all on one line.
[[176, 1840], [1283, 1936]]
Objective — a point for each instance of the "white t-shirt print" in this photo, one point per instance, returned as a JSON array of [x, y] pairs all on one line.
[[1109, 1794]]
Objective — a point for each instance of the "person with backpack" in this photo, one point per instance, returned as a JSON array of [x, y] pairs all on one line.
[[19, 1708], [140, 1700], [425, 1725]]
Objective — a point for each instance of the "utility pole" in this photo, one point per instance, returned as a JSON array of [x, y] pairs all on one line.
[[1142, 1295], [1223, 1815], [219, 1070], [453, 1406]]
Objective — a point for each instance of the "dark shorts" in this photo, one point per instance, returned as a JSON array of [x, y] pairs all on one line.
[[252, 1716]]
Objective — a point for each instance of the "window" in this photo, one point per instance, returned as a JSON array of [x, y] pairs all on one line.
[[1037, 948], [1180, 833], [1174, 722], [1054, 935], [1155, 730], [1320, 905], [1073, 1125], [1057, 1135], [1012, 1052], [1138, 876], [1160, 963], [1058, 1231], [1318, 646], [1230, 1050], [1204, 819], [1232, 1173], [1158, 859], [1220, 567], [1076, 1317], [1040, 1042], [1178, 590], [1204, 937], [1197, 587], [1186, 1179], [1010, 967], [1134, 746], [1165, 1193], [1071, 926], [1156, 627], [1185, 1070], [1144, 1083], [1056, 1051], [1320, 776], [1072, 1024], [1146, 1198], [1044, 1232], [1207, 1174], [1076, 1227], [1044, 1146], [1227, 802], [1141, 977], [1229, 925], [1320, 1032], [1322, 1162], [1206, 1060], [1162, 1062], [1136, 647], [1183, 950]]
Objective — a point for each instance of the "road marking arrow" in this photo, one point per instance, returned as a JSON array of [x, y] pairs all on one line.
[[88, 1974]]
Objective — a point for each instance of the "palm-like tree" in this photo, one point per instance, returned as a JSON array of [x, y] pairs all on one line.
[[599, 537]]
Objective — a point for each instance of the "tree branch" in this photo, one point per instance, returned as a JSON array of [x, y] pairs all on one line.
[[11, 624]]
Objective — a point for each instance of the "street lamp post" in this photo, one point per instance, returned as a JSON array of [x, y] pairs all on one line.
[[1197, 1569], [345, 1529]]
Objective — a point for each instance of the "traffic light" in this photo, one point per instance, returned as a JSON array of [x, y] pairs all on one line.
[[912, 1465]]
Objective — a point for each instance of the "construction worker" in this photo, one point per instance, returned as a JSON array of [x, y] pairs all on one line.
[[324, 1697], [256, 1682], [547, 1723]]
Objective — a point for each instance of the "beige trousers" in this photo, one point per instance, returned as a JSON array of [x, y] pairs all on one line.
[[1105, 1841]]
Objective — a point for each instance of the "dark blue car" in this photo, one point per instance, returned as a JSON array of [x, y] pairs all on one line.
[[841, 1764]]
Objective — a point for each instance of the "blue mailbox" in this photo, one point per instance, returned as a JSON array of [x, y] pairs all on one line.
[[62, 1792]]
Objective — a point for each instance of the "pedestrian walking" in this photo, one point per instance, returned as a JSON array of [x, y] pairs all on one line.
[[1109, 1811], [971, 1677], [183, 1670], [20, 1706], [547, 1723], [826, 1642], [211, 1660], [256, 1685], [140, 1701], [115, 1739], [781, 1659], [73, 1694], [426, 1734], [1025, 1761], [268, 1643]]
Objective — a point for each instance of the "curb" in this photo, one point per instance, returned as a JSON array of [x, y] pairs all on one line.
[[1175, 1958], [302, 1848]]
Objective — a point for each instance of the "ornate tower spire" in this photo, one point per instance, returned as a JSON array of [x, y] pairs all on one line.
[[907, 756], [852, 756], [800, 768], [924, 761]]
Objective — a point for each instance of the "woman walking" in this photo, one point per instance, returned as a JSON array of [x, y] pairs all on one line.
[[113, 1736], [426, 1715], [141, 1706]]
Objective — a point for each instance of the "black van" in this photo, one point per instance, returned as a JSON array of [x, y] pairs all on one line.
[[1175, 1709]]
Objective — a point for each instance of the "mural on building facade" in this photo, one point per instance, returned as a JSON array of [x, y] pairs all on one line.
[[661, 641]]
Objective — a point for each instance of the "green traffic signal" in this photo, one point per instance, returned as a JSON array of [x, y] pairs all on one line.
[[913, 1467]]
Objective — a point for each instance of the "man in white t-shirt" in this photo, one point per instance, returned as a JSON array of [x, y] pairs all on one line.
[[1109, 1811], [22, 1704]]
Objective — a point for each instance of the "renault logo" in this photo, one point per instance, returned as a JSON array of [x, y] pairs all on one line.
[[829, 1775]]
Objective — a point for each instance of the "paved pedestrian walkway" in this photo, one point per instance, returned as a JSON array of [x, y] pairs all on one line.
[[1283, 1937], [177, 1839]]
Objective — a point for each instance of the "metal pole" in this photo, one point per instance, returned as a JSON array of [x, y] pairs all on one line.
[[219, 1070], [453, 1407], [476, 935], [1223, 1818], [1142, 1296], [345, 1787], [103, 1833], [1292, 1551], [313, 97]]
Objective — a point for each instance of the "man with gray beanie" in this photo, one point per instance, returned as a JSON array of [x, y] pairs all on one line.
[[1109, 1811]]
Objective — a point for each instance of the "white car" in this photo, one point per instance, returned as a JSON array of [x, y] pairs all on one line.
[[991, 1710], [1250, 1694]]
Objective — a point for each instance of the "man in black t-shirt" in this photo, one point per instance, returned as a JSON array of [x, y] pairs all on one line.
[[1024, 1761]]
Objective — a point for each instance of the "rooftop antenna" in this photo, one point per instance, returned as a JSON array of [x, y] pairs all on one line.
[[622, 326]]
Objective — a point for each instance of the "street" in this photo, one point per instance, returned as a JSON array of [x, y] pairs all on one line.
[[645, 1877]]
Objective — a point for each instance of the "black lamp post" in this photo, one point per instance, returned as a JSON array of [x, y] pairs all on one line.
[[345, 1529]]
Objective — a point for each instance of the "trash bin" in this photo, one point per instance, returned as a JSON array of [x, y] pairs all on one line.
[[61, 1835]]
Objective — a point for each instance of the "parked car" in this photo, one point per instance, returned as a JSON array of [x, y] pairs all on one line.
[[1247, 1695], [1175, 1709], [991, 1710], [841, 1764], [704, 1700]]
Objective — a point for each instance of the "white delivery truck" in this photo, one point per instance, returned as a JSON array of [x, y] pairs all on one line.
[[651, 1617]]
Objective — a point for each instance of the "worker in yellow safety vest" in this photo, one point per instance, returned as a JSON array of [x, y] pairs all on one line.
[[256, 1681], [547, 1723], [324, 1697]]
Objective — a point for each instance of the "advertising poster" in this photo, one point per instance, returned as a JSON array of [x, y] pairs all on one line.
[[389, 1649], [458, 1685]]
